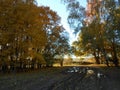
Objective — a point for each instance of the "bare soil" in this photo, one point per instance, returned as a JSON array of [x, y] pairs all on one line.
[[65, 78]]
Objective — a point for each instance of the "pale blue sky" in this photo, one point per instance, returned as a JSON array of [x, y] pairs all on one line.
[[60, 8]]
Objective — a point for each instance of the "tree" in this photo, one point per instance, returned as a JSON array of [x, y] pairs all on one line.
[[22, 31], [112, 29], [76, 14], [104, 23], [55, 44], [63, 46]]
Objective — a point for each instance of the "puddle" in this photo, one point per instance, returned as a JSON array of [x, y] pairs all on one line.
[[73, 70], [88, 71]]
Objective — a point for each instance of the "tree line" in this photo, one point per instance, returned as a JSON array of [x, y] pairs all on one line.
[[30, 35], [98, 35]]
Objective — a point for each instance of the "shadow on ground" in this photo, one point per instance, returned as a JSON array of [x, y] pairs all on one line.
[[66, 78]]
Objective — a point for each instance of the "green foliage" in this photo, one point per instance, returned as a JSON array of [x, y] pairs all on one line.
[[57, 44], [101, 37], [76, 14]]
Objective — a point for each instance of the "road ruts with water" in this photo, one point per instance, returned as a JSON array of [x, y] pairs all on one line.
[[70, 78], [83, 79]]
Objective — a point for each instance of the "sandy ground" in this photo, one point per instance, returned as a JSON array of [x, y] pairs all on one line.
[[66, 78]]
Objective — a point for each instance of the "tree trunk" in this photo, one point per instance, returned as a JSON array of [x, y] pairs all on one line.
[[105, 57], [61, 62], [96, 55], [115, 59]]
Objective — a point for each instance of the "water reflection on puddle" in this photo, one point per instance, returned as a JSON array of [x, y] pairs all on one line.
[[87, 71]]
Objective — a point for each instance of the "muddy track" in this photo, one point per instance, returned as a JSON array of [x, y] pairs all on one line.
[[84, 81], [73, 78], [69, 83]]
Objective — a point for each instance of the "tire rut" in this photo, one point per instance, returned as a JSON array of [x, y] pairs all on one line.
[[68, 83]]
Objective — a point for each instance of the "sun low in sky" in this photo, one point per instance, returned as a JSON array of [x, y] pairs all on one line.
[[60, 8]]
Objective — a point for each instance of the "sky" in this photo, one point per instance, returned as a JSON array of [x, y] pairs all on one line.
[[60, 8]]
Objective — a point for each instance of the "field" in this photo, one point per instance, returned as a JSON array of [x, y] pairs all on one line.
[[63, 78]]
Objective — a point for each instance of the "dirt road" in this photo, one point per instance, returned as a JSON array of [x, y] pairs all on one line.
[[69, 78]]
